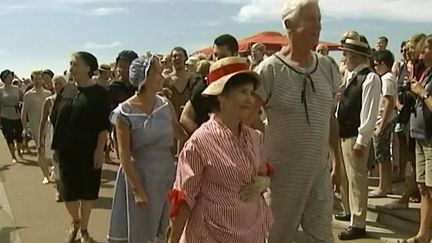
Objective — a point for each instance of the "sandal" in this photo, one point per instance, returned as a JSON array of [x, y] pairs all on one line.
[[377, 194], [73, 232], [85, 237]]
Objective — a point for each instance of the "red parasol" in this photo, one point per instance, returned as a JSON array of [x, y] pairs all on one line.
[[273, 41]]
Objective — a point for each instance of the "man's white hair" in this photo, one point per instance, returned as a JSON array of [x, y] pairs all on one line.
[[292, 8]]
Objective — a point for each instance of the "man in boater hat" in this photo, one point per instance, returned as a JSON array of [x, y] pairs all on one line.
[[357, 114]]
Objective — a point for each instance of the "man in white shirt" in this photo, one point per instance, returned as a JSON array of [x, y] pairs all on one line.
[[383, 62], [357, 116]]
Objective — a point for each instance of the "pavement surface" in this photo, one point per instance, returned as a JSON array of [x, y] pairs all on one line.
[[29, 213]]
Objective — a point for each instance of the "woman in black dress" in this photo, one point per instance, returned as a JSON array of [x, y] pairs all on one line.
[[81, 121]]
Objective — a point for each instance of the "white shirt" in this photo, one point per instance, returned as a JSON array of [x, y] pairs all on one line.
[[388, 89], [371, 93]]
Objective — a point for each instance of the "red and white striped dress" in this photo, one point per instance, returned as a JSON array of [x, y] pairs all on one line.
[[213, 167]]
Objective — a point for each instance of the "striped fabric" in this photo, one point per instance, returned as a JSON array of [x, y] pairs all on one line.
[[213, 167], [297, 145]]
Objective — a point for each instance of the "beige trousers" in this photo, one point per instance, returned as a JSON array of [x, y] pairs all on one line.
[[354, 183]]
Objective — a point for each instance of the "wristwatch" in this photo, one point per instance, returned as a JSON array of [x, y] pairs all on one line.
[[424, 97]]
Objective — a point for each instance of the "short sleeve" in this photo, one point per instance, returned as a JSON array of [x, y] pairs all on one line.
[[266, 74], [102, 111], [388, 86], [190, 169], [117, 114]]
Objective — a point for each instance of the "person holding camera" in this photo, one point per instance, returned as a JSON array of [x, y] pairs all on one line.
[[421, 131]]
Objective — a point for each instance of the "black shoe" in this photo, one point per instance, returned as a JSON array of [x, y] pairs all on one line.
[[343, 217], [352, 233]]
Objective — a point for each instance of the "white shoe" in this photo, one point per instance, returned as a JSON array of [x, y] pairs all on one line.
[[45, 181]]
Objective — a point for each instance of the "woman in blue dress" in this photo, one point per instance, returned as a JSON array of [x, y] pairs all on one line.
[[146, 126]]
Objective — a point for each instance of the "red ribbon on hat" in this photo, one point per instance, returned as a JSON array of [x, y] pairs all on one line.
[[226, 70]]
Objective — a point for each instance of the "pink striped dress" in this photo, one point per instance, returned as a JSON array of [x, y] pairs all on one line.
[[212, 169]]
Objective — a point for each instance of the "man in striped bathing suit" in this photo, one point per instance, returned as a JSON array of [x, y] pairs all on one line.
[[298, 92]]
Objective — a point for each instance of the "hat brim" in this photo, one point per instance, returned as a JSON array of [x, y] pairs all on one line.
[[217, 87], [355, 51]]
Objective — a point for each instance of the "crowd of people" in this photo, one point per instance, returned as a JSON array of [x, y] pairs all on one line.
[[228, 148]]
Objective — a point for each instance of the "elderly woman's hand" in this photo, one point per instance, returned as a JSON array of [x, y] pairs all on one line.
[[258, 185], [417, 88]]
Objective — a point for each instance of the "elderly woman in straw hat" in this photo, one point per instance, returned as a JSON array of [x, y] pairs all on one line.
[[217, 195], [146, 126]]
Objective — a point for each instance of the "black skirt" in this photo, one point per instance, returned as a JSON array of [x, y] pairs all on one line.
[[78, 179]]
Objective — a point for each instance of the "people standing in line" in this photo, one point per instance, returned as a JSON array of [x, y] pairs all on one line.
[[81, 122], [220, 180], [421, 131], [10, 113], [298, 95], [357, 115], [405, 146], [31, 113], [146, 126], [383, 62]]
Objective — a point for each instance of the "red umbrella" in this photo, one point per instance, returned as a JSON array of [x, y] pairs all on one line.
[[273, 41]]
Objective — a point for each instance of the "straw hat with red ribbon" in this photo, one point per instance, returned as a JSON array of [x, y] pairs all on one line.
[[223, 70]]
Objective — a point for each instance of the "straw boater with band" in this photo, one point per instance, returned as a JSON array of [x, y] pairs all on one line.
[[298, 95], [221, 159], [357, 115]]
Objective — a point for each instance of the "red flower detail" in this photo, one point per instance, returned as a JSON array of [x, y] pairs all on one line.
[[269, 170], [176, 198]]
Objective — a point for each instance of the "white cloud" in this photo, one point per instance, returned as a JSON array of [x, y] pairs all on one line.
[[107, 11], [102, 46], [402, 10]]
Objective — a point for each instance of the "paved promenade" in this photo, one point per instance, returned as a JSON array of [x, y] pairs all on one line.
[[29, 213]]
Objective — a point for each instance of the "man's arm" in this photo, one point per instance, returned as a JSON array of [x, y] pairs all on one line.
[[369, 111], [187, 118]]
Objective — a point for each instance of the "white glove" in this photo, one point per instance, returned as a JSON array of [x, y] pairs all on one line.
[[254, 189]]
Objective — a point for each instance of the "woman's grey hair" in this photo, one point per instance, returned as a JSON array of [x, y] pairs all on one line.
[[292, 8], [60, 78]]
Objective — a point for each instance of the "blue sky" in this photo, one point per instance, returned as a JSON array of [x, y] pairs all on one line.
[[43, 33]]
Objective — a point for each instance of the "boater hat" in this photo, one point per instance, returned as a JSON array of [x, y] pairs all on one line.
[[356, 46], [105, 68], [223, 70]]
